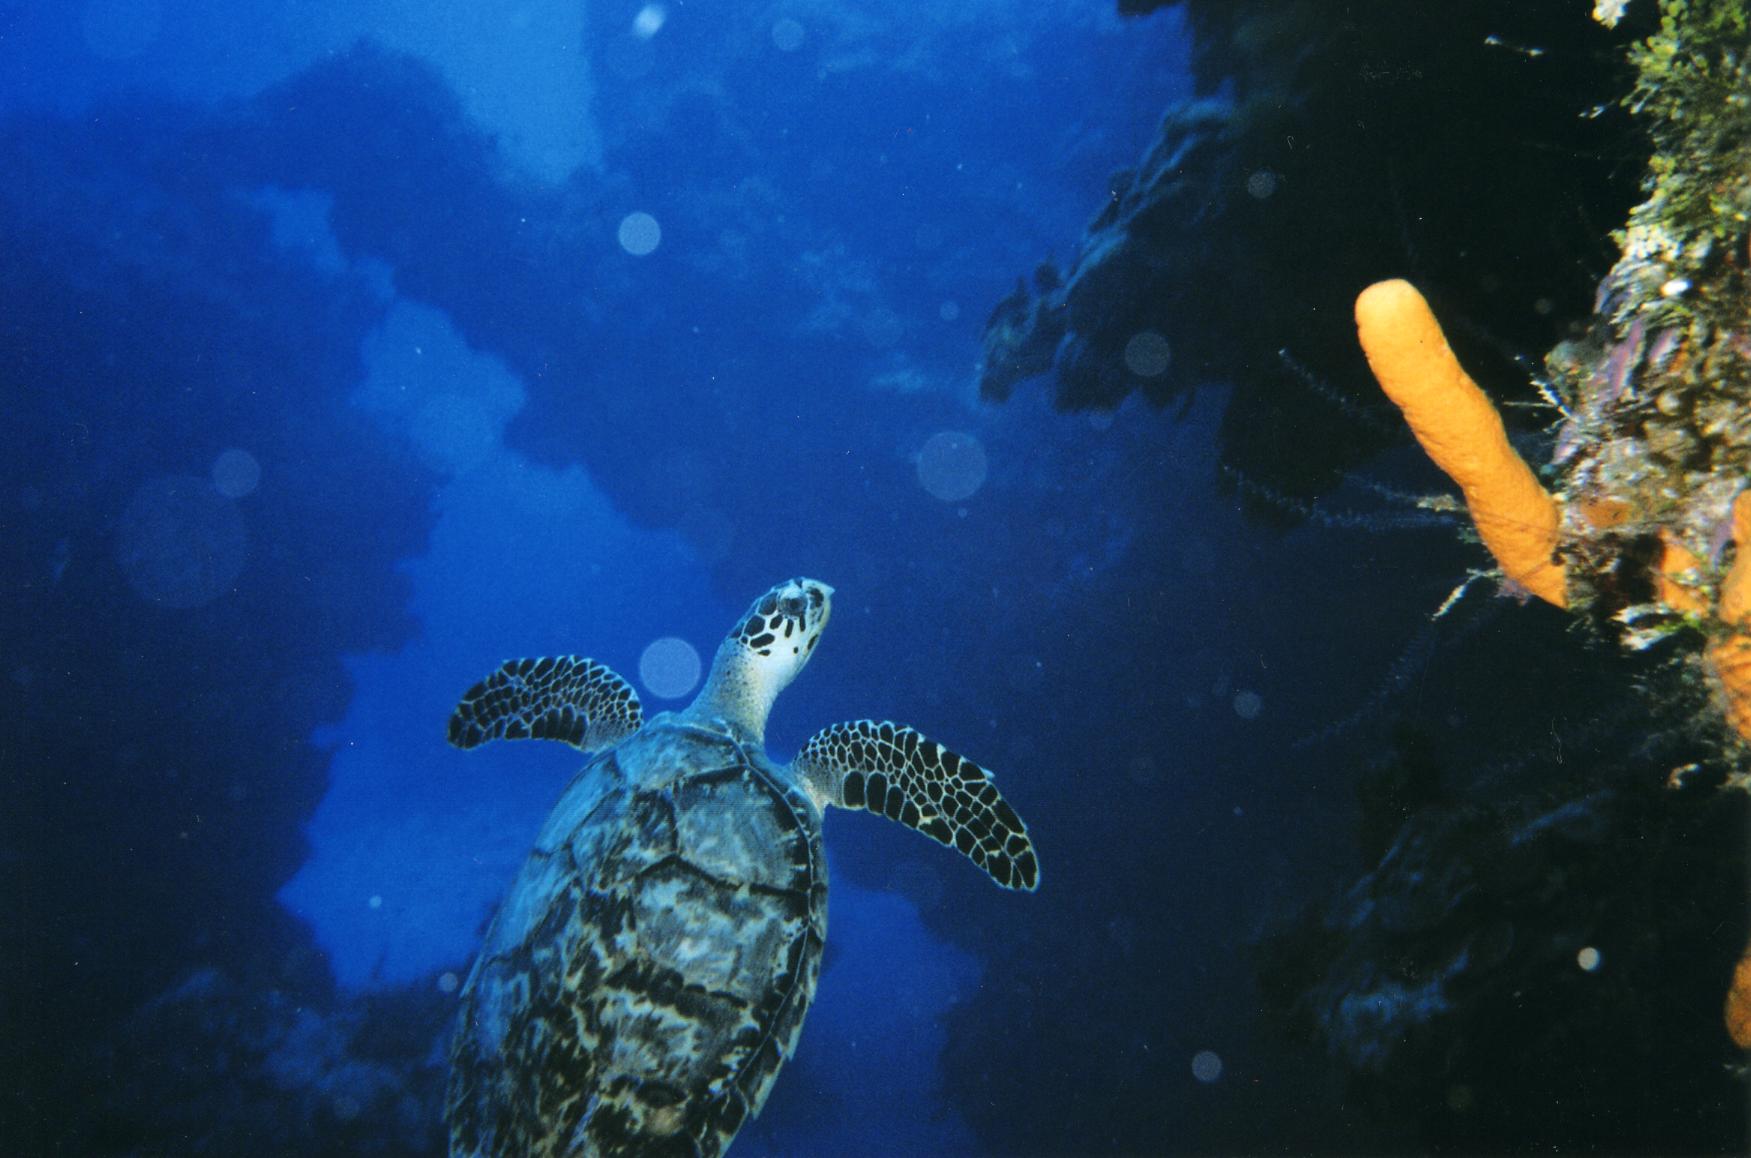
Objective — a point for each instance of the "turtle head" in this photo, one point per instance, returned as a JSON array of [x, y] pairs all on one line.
[[780, 631], [769, 646]]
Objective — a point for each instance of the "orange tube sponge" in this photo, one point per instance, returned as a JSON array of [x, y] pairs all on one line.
[[1730, 655], [1737, 1013], [1516, 518]]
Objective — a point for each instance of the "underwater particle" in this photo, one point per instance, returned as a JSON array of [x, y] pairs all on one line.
[[1460, 1097], [376, 902], [448, 982], [1609, 12], [649, 21], [180, 543], [1262, 183], [1587, 959], [669, 667], [1206, 1065], [952, 466], [787, 35], [949, 311], [236, 473], [119, 29], [1147, 354], [1248, 705], [640, 234]]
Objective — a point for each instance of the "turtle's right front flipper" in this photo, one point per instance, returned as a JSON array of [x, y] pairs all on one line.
[[895, 771], [568, 698]]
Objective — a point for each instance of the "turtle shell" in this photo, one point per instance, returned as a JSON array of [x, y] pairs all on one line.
[[648, 972]]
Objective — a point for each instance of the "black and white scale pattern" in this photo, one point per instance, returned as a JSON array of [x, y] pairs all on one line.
[[569, 698], [894, 771]]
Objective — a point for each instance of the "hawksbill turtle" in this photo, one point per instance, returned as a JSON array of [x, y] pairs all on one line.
[[649, 970]]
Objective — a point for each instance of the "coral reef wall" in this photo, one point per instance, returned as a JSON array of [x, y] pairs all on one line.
[[1477, 986], [1477, 148]]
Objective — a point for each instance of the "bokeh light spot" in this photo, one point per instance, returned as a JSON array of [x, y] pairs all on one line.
[[236, 473], [448, 982], [1262, 183], [1146, 354], [1248, 705], [952, 466], [1206, 1065], [787, 34], [669, 667], [949, 311], [649, 21], [1588, 959], [640, 234], [180, 542]]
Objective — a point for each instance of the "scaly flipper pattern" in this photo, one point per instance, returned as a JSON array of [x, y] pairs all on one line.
[[894, 771], [568, 698]]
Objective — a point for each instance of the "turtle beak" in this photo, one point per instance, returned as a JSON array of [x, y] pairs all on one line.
[[820, 603], [820, 595]]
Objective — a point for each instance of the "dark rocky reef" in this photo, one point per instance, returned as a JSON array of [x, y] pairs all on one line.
[[1541, 968], [216, 1066], [1477, 149]]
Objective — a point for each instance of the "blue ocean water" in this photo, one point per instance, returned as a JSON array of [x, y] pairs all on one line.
[[348, 350]]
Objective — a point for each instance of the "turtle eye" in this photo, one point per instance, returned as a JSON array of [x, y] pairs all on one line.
[[793, 605]]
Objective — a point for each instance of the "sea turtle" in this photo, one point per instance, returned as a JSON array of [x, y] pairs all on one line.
[[648, 972]]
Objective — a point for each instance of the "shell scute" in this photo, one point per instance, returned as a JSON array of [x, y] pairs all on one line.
[[649, 971]]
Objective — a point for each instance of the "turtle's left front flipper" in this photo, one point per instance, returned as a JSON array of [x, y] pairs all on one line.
[[568, 698], [892, 770]]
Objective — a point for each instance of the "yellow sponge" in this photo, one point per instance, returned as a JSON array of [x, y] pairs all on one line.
[[1458, 426]]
